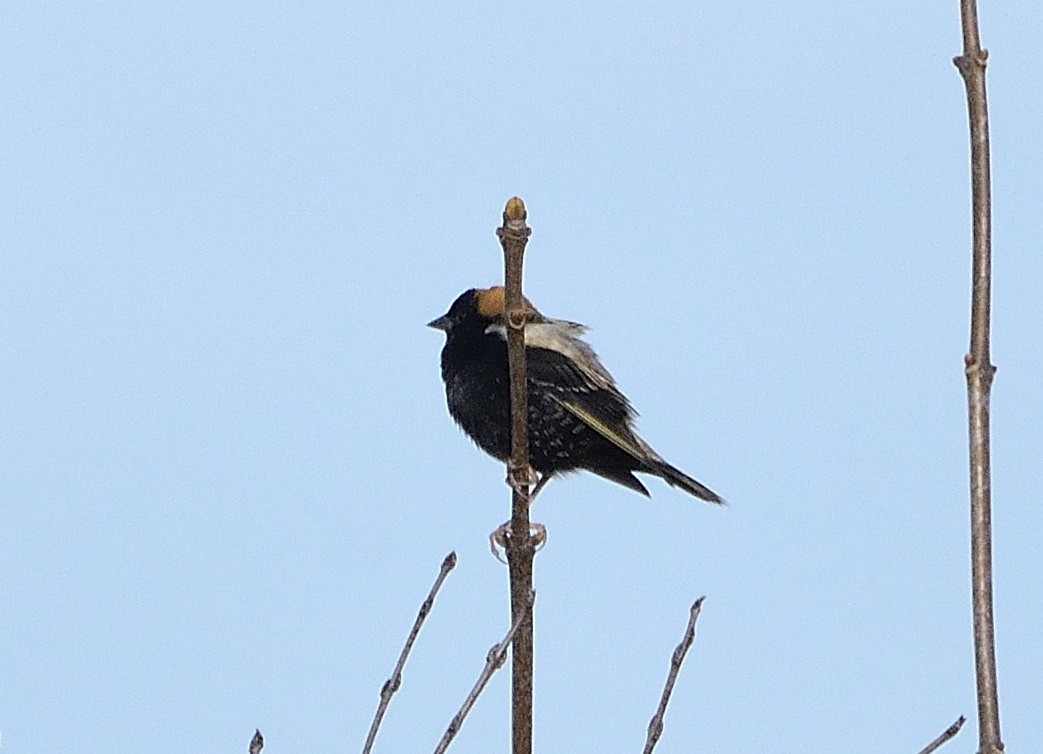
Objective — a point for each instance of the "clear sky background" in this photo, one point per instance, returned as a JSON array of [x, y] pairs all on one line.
[[228, 473]]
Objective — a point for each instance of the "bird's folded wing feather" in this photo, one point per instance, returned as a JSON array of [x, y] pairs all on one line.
[[590, 396]]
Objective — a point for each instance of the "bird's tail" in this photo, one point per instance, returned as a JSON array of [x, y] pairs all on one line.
[[678, 478]]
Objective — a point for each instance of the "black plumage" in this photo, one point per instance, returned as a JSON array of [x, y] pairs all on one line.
[[578, 418]]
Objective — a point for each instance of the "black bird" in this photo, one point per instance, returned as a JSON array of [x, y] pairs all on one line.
[[578, 418]]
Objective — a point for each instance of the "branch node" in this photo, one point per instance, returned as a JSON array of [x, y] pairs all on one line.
[[971, 63]]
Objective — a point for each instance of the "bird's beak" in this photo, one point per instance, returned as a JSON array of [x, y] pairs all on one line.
[[442, 323]]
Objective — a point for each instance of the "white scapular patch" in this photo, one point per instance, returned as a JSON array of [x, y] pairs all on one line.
[[564, 337]]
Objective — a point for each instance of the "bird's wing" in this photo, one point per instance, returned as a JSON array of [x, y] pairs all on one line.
[[564, 338], [559, 361], [619, 435], [595, 402]]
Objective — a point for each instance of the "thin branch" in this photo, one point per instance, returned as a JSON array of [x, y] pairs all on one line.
[[655, 726], [980, 371], [392, 684], [947, 735], [493, 661], [256, 743], [514, 235]]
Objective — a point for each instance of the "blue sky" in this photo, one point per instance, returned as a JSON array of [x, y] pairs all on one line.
[[229, 476]]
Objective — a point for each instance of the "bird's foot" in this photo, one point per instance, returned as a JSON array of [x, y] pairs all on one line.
[[533, 481], [520, 482], [501, 537], [539, 486]]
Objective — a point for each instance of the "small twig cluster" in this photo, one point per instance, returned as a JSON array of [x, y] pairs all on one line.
[[494, 661]]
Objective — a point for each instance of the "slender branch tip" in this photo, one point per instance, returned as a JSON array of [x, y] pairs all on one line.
[[655, 725], [947, 735]]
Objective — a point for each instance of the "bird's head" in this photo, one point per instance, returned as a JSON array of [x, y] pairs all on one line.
[[479, 307]]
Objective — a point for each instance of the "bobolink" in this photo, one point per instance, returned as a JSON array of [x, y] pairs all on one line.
[[578, 418]]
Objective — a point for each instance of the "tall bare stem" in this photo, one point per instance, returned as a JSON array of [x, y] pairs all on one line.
[[980, 371], [514, 235]]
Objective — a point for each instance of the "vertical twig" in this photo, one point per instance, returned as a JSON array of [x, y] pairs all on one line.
[[655, 726], [514, 235], [391, 684], [980, 371], [947, 735]]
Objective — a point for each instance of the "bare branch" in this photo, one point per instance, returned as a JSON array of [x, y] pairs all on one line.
[[392, 684], [256, 743], [655, 726], [980, 371], [947, 735], [514, 235], [493, 661]]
